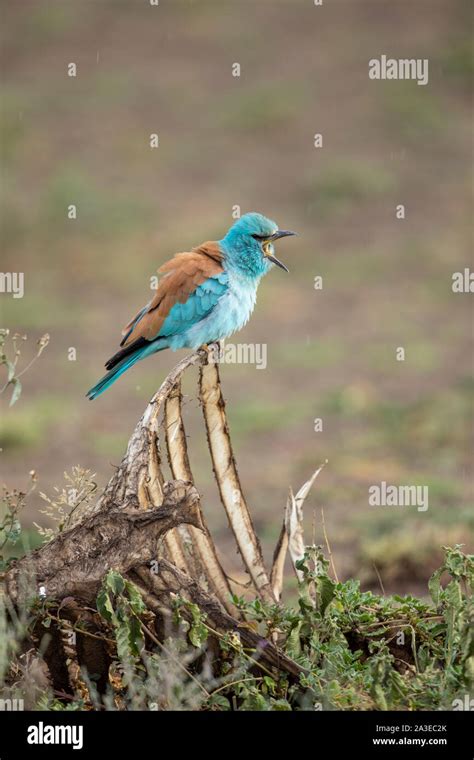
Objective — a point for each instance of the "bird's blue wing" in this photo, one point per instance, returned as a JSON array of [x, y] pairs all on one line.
[[199, 304]]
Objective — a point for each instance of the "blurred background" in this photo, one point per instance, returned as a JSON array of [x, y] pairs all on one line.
[[248, 141]]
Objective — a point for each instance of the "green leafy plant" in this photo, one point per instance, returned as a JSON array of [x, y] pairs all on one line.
[[358, 650], [120, 604]]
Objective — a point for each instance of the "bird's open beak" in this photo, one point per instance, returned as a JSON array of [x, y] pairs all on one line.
[[276, 236], [279, 234]]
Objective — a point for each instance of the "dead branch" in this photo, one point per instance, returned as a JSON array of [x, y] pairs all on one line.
[[75, 562], [158, 587], [140, 517], [291, 536], [206, 563], [225, 471]]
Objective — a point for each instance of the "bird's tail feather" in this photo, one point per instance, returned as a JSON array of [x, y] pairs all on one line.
[[111, 376], [122, 366]]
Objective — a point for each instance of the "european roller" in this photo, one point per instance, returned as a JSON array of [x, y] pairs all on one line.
[[203, 295]]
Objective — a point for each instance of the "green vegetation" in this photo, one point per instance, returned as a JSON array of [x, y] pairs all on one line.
[[358, 650]]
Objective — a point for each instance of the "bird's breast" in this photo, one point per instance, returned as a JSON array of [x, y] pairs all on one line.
[[242, 295], [234, 308], [231, 313]]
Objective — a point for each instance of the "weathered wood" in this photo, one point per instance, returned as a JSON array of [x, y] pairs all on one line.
[[291, 538], [157, 587], [227, 478], [140, 518], [75, 562], [206, 563], [278, 564]]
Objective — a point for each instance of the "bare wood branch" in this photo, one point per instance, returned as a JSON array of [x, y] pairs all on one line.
[[206, 562], [227, 478], [139, 476], [74, 563], [170, 580], [278, 565]]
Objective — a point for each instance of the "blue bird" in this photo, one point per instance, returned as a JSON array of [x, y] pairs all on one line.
[[203, 296]]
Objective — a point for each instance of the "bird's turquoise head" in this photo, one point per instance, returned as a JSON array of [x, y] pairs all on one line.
[[248, 245]]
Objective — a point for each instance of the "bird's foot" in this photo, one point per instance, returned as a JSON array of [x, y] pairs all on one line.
[[208, 347], [213, 351]]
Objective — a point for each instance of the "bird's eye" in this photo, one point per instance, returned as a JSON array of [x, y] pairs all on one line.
[[260, 238]]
